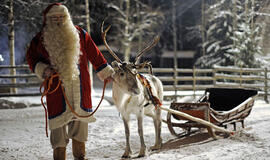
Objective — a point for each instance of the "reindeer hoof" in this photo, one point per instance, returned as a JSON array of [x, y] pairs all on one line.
[[156, 147], [143, 153], [126, 155], [139, 156]]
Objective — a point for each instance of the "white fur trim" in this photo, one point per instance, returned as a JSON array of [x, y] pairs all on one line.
[[105, 73], [39, 69], [73, 94], [76, 91], [67, 117], [57, 9]]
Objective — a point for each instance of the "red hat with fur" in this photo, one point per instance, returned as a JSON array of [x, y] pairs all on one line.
[[52, 9]]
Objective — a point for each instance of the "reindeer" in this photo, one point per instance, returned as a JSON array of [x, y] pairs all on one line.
[[131, 96]]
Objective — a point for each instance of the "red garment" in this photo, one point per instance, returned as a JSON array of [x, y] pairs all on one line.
[[55, 101]]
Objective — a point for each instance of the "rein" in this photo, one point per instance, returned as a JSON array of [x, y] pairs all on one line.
[[46, 91]]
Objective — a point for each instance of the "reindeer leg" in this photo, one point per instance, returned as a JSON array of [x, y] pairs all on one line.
[[128, 151], [140, 131], [157, 123]]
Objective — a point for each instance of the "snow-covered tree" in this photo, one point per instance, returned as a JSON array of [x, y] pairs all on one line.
[[246, 39], [219, 32], [132, 19], [232, 37]]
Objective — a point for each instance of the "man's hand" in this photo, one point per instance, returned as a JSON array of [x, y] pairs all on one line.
[[48, 72], [109, 79]]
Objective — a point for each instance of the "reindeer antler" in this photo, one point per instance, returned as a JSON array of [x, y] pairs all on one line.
[[103, 35], [155, 41], [145, 64]]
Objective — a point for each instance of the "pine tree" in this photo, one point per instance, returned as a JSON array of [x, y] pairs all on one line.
[[219, 30], [246, 46], [247, 40], [232, 37]]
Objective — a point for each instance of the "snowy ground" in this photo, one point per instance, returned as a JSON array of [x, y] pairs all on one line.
[[22, 137]]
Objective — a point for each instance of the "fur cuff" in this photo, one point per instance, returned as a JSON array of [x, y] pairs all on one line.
[[39, 69], [105, 73]]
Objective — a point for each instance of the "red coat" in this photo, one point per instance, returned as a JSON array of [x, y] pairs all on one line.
[[55, 101]]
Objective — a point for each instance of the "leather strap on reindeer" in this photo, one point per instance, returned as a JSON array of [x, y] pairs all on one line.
[[155, 101]]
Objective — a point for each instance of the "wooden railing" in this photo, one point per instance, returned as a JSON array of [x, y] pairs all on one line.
[[26, 79], [228, 77], [186, 80]]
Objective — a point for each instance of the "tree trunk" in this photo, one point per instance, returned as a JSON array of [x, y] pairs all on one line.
[[87, 11], [11, 44], [203, 27], [234, 20], [127, 43], [174, 44], [252, 16], [247, 10], [139, 23]]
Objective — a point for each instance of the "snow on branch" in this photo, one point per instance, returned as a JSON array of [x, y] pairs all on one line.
[[1, 58]]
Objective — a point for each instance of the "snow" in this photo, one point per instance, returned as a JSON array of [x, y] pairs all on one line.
[[23, 136], [1, 58]]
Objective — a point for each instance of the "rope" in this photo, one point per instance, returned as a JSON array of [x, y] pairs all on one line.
[[47, 87]]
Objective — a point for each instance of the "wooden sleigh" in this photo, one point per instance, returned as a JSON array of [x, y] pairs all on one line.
[[219, 106]]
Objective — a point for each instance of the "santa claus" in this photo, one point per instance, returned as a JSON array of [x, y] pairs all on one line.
[[66, 49]]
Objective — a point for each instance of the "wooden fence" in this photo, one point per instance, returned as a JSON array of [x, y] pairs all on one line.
[[192, 80], [25, 80], [226, 77]]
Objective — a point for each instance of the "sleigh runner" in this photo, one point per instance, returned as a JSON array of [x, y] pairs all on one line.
[[219, 106]]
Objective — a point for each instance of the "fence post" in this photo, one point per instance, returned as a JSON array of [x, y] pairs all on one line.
[[175, 84], [265, 85], [214, 76], [241, 72], [194, 82]]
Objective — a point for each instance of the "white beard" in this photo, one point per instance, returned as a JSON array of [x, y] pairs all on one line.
[[62, 43]]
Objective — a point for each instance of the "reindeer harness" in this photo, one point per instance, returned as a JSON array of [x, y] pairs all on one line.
[[153, 99]]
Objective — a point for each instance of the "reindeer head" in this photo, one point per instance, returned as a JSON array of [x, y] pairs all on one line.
[[126, 72]]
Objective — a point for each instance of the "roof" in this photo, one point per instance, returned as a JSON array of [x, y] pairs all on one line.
[[180, 54], [165, 54]]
